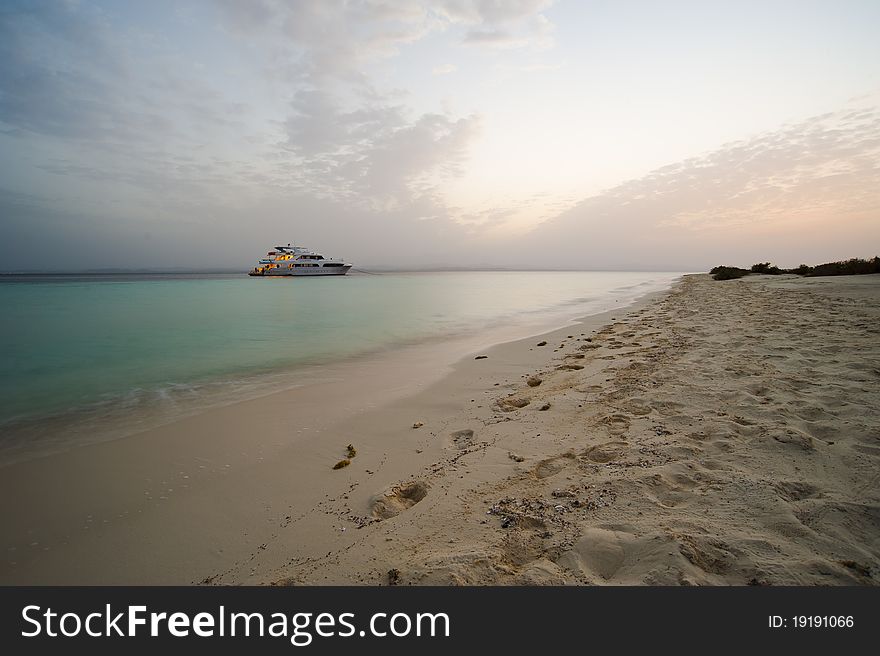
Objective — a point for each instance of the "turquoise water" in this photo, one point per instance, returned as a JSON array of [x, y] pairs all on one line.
[[86, 345]]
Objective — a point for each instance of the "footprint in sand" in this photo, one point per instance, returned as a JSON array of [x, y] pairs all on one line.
[[796, 439], [607, 452], [462, 439], [512, 403], [551, 466], [616, 424], [638, 407], [399, 498], [599, 552], [665, 492]]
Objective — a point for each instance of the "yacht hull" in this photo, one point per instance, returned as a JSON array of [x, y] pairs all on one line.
[[303, 272]]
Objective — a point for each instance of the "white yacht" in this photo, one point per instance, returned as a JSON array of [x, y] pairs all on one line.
[[298, 261]]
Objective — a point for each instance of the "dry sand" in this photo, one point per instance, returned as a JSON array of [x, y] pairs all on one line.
[[726, 434], [723, 433]]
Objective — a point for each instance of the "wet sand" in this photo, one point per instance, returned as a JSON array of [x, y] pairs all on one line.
[[722, 433]]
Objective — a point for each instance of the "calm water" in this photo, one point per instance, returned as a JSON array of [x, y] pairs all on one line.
[[81, 349]]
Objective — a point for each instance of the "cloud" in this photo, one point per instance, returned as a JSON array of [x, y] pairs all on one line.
[[69, 73], [108, 114], [45, 85], [806, 192], [375, 155], [535, 33], [490, 12], [815, 183], [133, 139], [345, 137], [505, 25], [335, 39], [331, 41], [411, 161]]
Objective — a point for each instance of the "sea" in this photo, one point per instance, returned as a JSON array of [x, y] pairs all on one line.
[[95, 357]]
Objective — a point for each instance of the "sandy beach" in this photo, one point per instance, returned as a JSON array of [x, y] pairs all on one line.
[[720, 433]]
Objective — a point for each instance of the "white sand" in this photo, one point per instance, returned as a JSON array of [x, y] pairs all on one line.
[[727, 433]]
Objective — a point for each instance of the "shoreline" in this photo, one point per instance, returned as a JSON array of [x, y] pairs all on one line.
[[716, 433], [126, 412], [106, 505]]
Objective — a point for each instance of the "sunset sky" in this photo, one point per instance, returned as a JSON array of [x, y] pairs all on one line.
[[572, 134]]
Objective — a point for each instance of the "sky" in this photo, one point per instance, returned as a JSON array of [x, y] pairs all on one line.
[[584, 134]]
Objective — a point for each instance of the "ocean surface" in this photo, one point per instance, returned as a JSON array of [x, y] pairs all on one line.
[[87, 355]]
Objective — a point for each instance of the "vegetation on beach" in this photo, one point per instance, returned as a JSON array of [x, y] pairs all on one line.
[[728, 273], [853, 267], [767, 269]]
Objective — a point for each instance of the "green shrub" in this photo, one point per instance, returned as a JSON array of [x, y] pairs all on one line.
[[766, 268], [854, 267], [727, 273]]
